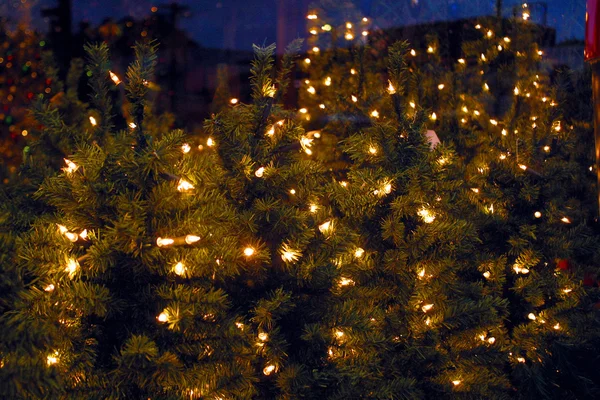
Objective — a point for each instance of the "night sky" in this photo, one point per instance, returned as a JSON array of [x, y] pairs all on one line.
[[255, 19]]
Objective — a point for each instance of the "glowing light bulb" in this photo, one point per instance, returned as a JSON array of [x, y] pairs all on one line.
[[72, 267], [526, 16], [325, 227], [186, 148], [421, 273], [365, 33], [486, 87], [326, 27], [260, 172], [344, 183], [163, 317], [494, 122], [288, 254], [387, 188], [483, 57], [49, 288], [492, 340], [114, 78], [239, 325], [311, 90], [504, 132], [487, 274], [557, 326], [461, 61], [426, 215], [413, 52], [500, 48], [52, 358], [523, 167], [179, 268], [162, 242], [531, 316], [520, 359], [427, 307], [71, 166], [271, 131], [502, 156], [328, 81], [375, 114], [268, 370], [313, 32], [316, 49], [311, 16], [372, 150], [359, 252], [478, 26], [506, 39], [412, 104], [292, 191], [433, 116], [249, 251], [567, 290], [132, 125], [303, 111], [516, 91], [345, 282], [349, 36], [354, 98], [184, 185], [476, 190], [233, 100], [353, 71], [322, 106], [72, 236], [93, 121], [537, 214], [565, 220], [490, 33], [476, 113], [190, 239], [391, 89], [313, 208]]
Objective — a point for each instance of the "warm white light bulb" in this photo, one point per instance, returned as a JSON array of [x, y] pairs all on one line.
[[71, 166], [163, 317], [325, 227], [93, 121], [49, 288], [487, 274], [249, 251], [184, 185], [433, 116], [456, 382], [358, 253], [531, 316], [268, 370], [391, 89], [190, 239], [375, 114], [162, 242], [427, 307], [537, 214], [565, 220], [441, 86], [210, 142], [186, 148], [345, 282], [260, 172], [179, 268], [427, 216], [72, 267], [114, 77], [233, 100]]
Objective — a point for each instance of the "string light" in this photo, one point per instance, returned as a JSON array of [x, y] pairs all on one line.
[[537, 214], [531, 316], [354, 98], [391, 89], [486, 87], [71, 166], [427, 307], [268, 370], [433, 116], [506, 39], [313, 208], [186, 148], [72, 267], [162, 242], [441, 86], [557, 326], [565, 220], [365, 33], [353, 71], [345, 282], [348, 25], [52, 358], [132, 125], [288, 254], [375, 114], [328, 81], [49, 288], [93, 121], [316, 49], [483, 57], [421, 274], [326, 27], [184, 185], [311, 90], [210, 142], [430, 49], [476, 190], [359, 252], [461, 60], [292, 191], [303, 111], [413, 52], [516, 91], [494, 122], [260, 172], [477, 26], [520, 359], [114, 78], [349, 36], [190, 239], [490, 33], [233, 100], [249, 251], [313, 32], [487, 274], [326, 227], [179, 269], [412, 104], [322, 106], [163, 316], [500, 47], [504, 132], [311, 16]]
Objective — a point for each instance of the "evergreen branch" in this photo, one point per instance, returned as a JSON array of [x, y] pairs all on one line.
[[98, 67], [283, 76]]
